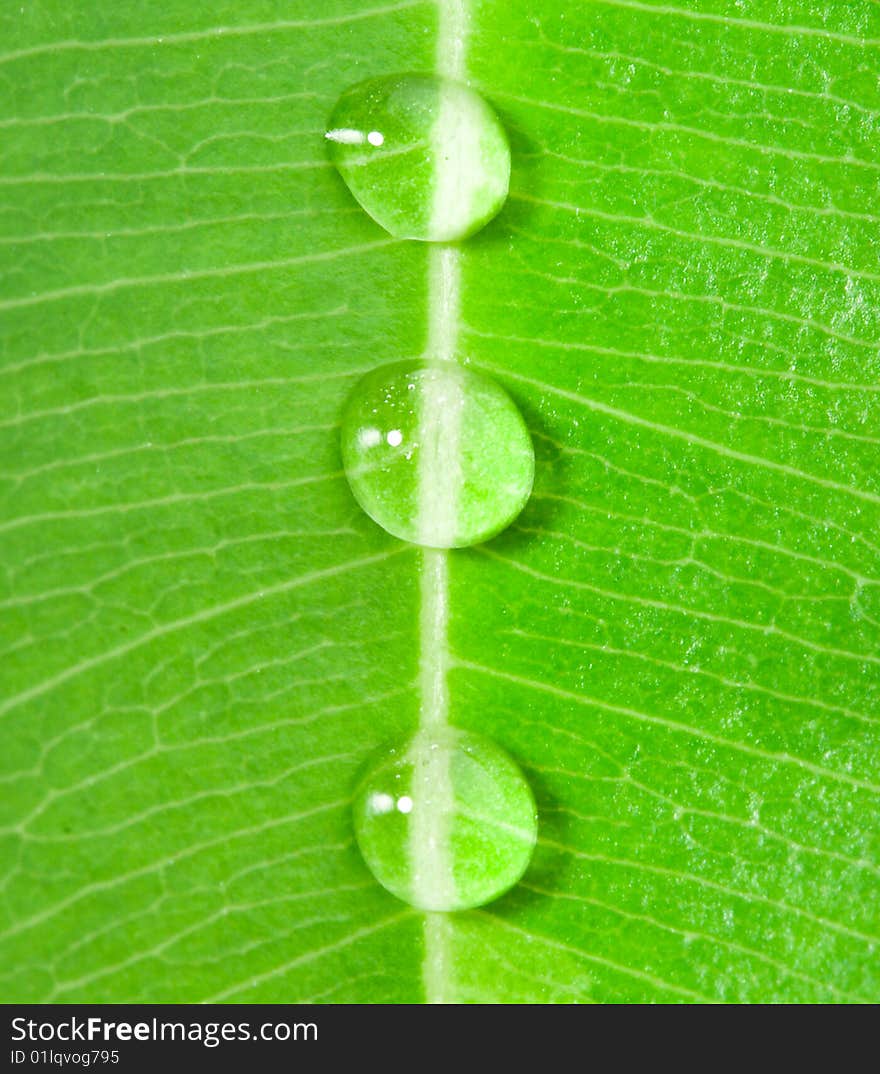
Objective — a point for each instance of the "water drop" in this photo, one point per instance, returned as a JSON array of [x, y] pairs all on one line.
[[426, 157], [436, 454], [447, 821]]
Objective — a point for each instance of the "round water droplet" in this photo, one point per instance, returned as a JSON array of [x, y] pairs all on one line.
[[426, 157], [436, 454], [446, 821]]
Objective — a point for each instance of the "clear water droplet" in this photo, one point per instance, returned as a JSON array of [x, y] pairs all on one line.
[[436, 454], [426, 157], [447, 821]]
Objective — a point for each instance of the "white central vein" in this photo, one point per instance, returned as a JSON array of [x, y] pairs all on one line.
[[439, 435]]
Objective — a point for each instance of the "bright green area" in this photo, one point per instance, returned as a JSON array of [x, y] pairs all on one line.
[[426, 157], [203, 636], [435, 453], [445, 820]]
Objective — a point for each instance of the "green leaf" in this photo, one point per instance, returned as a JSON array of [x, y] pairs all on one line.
[[203, 636]]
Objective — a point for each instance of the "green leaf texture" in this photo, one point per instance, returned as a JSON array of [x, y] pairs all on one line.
[[203, 638]]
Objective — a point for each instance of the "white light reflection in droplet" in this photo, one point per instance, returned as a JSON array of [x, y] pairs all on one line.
[[381, 803], [346, 136], [395, 438], [405, 804], [369, 437]]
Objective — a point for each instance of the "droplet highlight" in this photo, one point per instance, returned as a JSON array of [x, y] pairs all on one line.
[[436, 454], [425, 156], [447, 821]]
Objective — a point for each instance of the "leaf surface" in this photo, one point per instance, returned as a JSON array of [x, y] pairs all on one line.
[[203, 638]]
